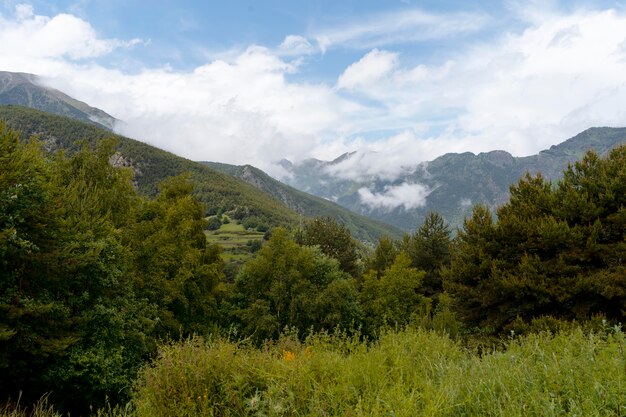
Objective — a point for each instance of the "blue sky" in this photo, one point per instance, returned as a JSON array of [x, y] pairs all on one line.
[[399, 81]]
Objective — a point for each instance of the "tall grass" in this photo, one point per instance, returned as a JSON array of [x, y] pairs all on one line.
[[39, 409], [404, 373]]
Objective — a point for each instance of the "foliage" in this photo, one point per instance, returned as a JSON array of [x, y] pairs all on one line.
[[554, 250], [174, 268], [383, 256], [334, 240], [394, 297], [290, 286], [77, 312], [404, 373], [429, 250]]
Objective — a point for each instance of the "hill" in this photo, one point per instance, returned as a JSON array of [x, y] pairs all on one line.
[[455, 182], [306, 204], [220, 192], [28, 90]]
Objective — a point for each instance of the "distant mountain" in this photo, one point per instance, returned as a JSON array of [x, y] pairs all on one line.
[[221, 192], [28, 90], [308, 205], [453, 183]]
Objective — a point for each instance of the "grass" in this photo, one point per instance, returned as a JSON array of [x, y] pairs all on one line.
[[410, 372], [235, 242], [406, 373]]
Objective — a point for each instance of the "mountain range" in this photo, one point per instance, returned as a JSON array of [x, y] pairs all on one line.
[[449, 185]]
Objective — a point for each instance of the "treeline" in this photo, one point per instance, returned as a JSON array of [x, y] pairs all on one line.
[[94, 276]]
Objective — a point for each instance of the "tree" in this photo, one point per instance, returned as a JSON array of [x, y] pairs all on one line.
[[174, 268], [68, 317], [334, 240], [429, 250], [393, 298], [554, 250], [288, 285], [383, 256]]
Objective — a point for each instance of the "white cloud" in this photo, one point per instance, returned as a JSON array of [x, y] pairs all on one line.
[[296, 45], [64, 35], [521, 92], [404, 26], [405, 195], [368, 70]]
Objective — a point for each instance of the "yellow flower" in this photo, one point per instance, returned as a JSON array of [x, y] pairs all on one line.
[[288, 356]]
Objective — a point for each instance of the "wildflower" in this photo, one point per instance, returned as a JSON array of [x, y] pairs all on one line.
[[288, 356]]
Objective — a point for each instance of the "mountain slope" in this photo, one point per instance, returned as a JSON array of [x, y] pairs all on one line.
[[455, 182], [27, 90], [308, 205], [219, 191]]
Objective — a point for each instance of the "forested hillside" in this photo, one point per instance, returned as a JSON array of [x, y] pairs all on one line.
[[220, 192]]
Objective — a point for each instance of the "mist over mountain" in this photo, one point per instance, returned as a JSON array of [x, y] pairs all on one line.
[[363, 182], [29, 90], [450, 184]]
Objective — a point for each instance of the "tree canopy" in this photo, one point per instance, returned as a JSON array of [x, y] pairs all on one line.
[[555, 250]]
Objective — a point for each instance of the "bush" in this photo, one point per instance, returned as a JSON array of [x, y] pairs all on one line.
[[408, 372], [213, 223]]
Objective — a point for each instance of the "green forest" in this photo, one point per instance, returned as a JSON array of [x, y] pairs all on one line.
[[114, 303]]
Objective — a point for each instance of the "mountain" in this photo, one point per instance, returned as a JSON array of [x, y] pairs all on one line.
[[221, 192], [451, 184], [308, 205], [28, 90]]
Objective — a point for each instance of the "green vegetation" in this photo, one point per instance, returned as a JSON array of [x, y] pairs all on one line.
[[92, 274], [555, 250], [117, 303], [220, 192], [363, 228], [405, 373], [238, 244]]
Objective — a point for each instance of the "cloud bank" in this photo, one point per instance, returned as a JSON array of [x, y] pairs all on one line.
[[406, 195], [517, 91]]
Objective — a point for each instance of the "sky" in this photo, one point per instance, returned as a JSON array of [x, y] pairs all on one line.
[[401, 82]]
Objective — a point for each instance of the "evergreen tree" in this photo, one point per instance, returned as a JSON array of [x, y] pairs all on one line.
[[555, 250], [429, 250], [334, 240]]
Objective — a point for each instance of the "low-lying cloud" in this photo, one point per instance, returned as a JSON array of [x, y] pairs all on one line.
[[406, 195]]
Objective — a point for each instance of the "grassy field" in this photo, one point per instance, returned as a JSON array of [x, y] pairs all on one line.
[[236, 242], [405, 373], [410, 372]]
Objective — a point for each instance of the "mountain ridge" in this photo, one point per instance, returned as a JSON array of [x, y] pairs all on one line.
[[28, 90], [455, 181]]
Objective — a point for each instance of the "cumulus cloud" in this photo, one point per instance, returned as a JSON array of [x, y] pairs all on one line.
[[64, 35], [520, 91], [405, 195], [368, 70]]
